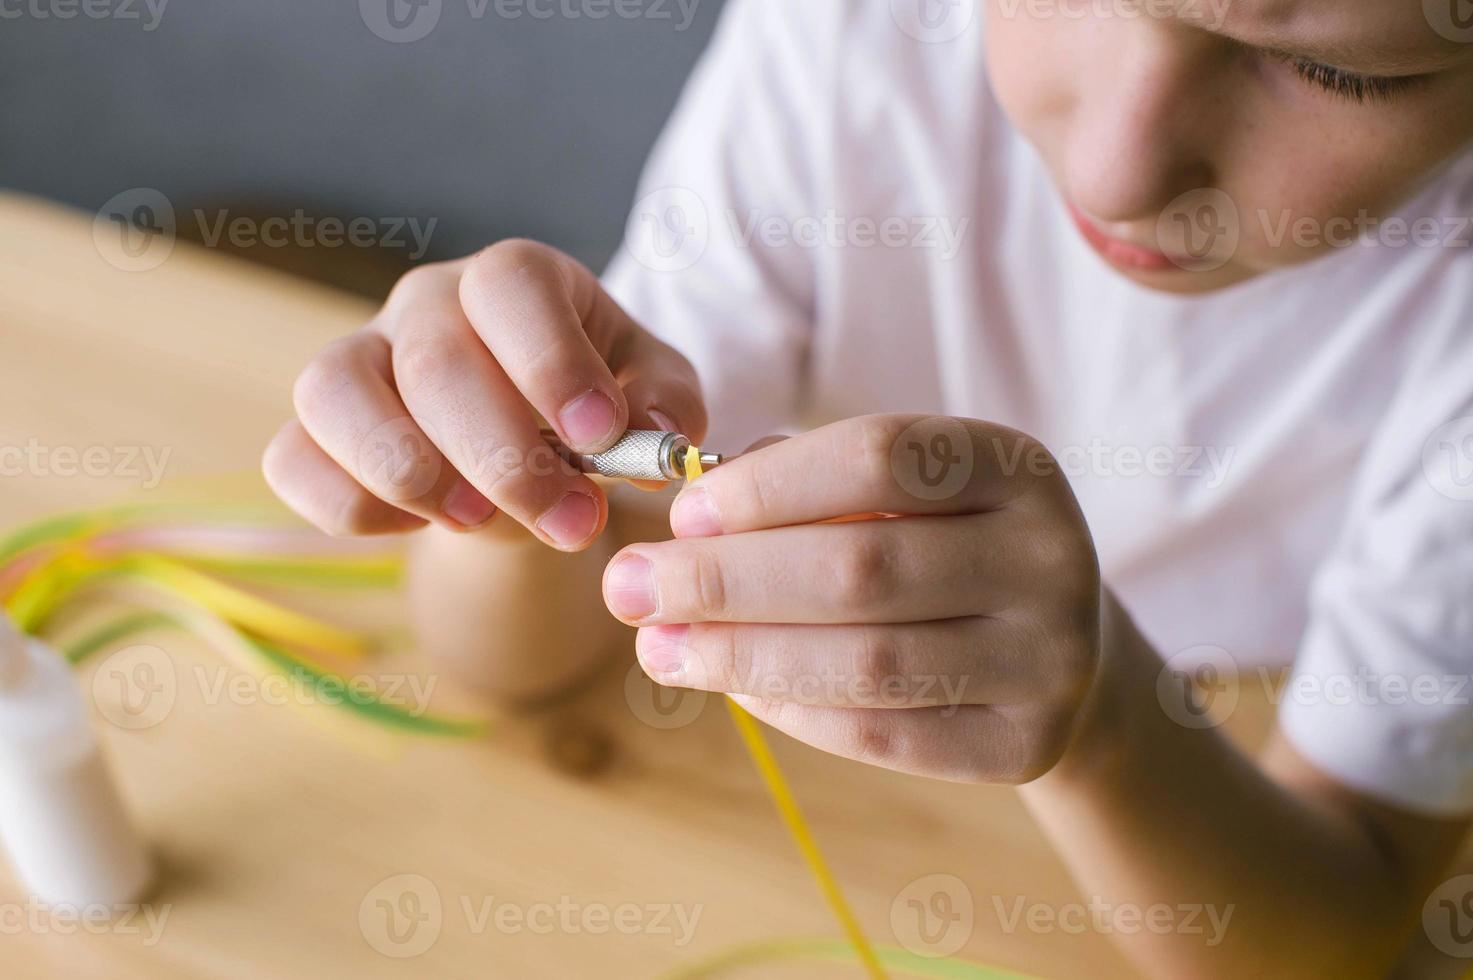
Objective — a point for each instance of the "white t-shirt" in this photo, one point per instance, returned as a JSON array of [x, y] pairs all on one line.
[[840, 220]]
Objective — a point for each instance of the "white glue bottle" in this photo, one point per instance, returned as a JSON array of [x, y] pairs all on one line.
[[61, 819]]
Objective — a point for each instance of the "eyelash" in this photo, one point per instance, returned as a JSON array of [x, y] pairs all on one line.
[[1348, 85]]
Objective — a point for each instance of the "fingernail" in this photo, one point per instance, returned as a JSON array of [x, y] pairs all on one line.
[[693, 515], [662, 648], [665, 422], [629, 588], [571, 521], [588, 420], [466, 506]]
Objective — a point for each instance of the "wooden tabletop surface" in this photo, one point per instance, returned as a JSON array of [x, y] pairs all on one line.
[[285, 849]]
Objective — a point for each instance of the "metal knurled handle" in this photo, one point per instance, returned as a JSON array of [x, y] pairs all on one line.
[[641, 454]]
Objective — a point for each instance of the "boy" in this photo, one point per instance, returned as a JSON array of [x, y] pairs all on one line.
[[1230, 240]]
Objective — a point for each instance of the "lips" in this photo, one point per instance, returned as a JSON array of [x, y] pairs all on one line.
[[1120, 253]]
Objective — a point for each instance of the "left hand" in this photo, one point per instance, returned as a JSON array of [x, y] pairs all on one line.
[[955, 634]]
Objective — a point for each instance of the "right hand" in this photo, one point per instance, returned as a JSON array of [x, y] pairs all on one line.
[[429, 413]]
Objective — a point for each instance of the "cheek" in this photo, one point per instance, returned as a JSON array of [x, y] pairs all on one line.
[[1024, 59], [1310, 176]]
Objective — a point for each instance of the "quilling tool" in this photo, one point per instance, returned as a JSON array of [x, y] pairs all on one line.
[[640, 454]]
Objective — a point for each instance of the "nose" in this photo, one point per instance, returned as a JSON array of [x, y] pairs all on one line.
[[1143, 130]]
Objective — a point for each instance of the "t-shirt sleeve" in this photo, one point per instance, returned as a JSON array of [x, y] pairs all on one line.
[[1380, 696], [696, 266]]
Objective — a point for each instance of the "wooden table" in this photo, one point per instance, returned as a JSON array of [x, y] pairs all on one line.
[[274, 834]]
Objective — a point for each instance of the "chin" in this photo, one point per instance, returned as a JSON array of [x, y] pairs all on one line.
[[1183, 283]]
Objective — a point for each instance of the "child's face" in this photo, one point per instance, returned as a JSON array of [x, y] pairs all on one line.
[[1197, 143]]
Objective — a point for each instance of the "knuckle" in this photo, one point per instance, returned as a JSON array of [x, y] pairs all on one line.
[[414, 286], [517, 252], [874, 438], [731, 660], [1019, 460], [504, 259], [319, 383], [762, 491], [503, 478], [549, 365], [709, 581], [863, 573], [423, 364], [1068, 564], [1044, 743], [874, 736], [879, 655], [785, 716]]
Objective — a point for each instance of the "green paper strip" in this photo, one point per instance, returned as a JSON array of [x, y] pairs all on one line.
[[337, 691], [116, 630], [51, 529]]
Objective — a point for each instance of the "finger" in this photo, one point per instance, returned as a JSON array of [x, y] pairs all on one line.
[[969, 743], [322, 493], [347, 404], [468, 406], [553, 330], [662, 424], [954, 661], [660, 386], [896, 464], [883, 571], [664, 378], [764, 442]]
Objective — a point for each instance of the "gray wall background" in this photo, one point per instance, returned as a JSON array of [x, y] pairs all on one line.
[[531, 119]]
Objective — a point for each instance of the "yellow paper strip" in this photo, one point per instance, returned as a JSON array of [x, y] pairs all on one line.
[[787, 807], [251, 612]]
